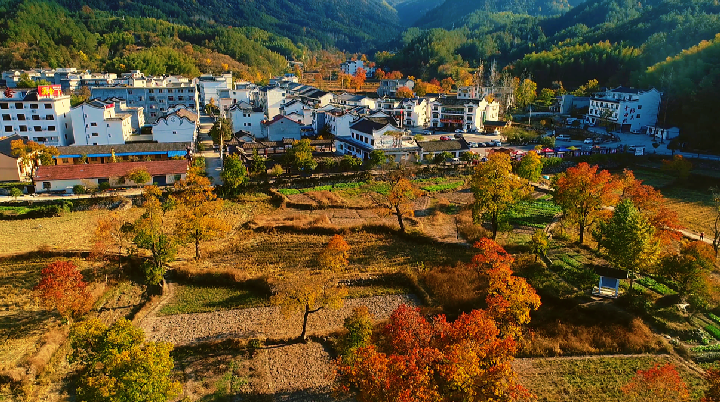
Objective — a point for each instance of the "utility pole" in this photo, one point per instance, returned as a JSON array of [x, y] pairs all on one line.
[[221, 139]]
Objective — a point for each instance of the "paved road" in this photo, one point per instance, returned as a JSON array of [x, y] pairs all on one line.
[[213, 166]]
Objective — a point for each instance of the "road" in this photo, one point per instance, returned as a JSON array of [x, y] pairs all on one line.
[[213, 166]]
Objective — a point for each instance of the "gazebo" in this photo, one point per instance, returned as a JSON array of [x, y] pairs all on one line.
[[609, 284]]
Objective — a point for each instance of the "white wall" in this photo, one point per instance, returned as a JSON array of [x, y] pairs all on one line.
[[248, 120], [174, 129], [282, 129]]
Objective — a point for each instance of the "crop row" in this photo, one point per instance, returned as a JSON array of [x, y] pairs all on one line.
[[651, 283]]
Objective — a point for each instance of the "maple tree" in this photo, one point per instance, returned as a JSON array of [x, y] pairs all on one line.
[[152, 233], [404, 92], [653, 205], [582, 191], [111, 233], [628, 239], [198, 212], [62, 288], [394, 75], [335, 255], [359, 77], [433, 360], [308, 293], [530, 167], [447, 84], [117, 365], [659, 383], [496, 189], [31, 153]]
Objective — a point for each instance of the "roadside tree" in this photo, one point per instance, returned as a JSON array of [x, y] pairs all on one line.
[[530, 167], [234, 174]]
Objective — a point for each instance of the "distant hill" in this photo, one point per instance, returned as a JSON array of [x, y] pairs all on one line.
[[409, 11]]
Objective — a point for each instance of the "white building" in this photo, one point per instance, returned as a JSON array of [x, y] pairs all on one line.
[[284, 80], [346, 99], [372, 133], [351, 66], [339, 121], [271, 100], [210, 87], [179, 126], [566, 104], [41, 115], [408, 112], [247, 118], [389, 88], [281, 127], [96, 123], [626, 109], [467, 114]]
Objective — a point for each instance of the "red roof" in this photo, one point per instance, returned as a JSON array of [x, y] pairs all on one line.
[[278, 118], [107, 170]]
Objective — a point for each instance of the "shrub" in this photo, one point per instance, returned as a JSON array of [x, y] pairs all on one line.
[[359, 326], [104, 186], [79, 189], [714, 318], [714, 331]]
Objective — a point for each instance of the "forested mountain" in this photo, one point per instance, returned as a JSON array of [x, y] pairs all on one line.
[[409, 11]]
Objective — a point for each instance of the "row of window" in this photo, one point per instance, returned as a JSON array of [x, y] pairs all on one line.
[[363, 138], [161, 90], [9, 129], [20, 105], [7, 117]]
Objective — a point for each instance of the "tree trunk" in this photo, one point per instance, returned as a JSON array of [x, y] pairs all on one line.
[[400, 219], [197, 245], [303, 335], [494, 222], [582, 233]]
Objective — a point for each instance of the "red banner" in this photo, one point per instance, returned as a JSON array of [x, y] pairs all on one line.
[[451, 121], [49, 91]]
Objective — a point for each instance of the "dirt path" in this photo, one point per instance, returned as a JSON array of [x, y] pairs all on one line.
[[261, 322]]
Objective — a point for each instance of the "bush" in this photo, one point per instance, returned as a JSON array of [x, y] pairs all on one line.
[[79, 189], [104, 186]]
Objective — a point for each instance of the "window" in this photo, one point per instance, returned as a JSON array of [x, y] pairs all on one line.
[[51, 128], [470, 110], [638, 116], [249, 124], [152, 98], [47, 185], [48, 106], [93, 124], [23, 128], [174, 132], [108, 124], [21, 117], [129, 91], [8, 129], [160, 91], [152, 91], [33, 106], [6, 117], [178, 177], [4, 105], [18, 106], [35, 117], [639, 107], [38, 128], [171, 98], [49, 117], [94, 134]]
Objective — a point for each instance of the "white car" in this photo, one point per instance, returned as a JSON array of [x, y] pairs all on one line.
[[472, 144], [563, 137], [496, 143], [460, 130], [589, 141]]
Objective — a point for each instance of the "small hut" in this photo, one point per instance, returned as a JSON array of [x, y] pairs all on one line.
[[609, 284]]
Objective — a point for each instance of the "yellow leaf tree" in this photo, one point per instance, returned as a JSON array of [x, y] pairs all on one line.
[[335, 255], [399, 198], [198, 212]]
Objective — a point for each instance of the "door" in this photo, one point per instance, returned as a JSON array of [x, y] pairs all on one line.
[[160, 180]]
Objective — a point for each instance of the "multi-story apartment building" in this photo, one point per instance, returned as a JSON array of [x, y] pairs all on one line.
[[271, 99], [351, 66], [155, 101], [210, 87], [346, 99], [408, 112], [623, 108], [96, 123], [41, 115], [465, 114]]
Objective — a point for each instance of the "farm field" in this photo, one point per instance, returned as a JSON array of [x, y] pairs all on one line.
[[593, 379]]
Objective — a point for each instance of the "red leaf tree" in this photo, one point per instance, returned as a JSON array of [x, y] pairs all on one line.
[[661, 383], [62, 288], [434, 360]]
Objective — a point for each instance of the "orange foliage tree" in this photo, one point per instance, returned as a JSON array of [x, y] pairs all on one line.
[[404, 92], [679, 165], [359, 78], [62, 287], [398, 200], [582, 192], [447, 84], [712, 394], [394, 75], [653, 205], [335, 255], [434, 360], [661, 383]]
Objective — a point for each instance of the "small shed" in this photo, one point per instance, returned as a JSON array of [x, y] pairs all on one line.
[[609, 284]]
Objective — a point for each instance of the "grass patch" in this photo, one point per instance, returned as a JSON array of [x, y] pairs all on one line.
[[434, 188], [536, 214], [356, 292], [592, 379], [651, 283], [189, 299], [714, 331]]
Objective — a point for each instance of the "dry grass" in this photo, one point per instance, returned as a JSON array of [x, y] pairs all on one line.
[[327, 199], [694, 209], [593, 379]]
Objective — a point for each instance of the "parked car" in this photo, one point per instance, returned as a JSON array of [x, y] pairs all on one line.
[[427, 132], [473, 144], [459, 136], [562, 137], [444, 138], [495, 143], [589, 141], [460, 130]]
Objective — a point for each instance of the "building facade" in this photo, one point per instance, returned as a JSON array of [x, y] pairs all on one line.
[[388, 88], [464, 114], [369, 134], [41, 115], [155, 101], [247, 118], [96, 123], [625, 109]]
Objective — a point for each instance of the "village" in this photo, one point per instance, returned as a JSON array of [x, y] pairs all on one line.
[[281, 242]]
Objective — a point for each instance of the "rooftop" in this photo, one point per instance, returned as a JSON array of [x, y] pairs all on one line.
[[368, 124], [106, 170], [124, 149], [442, 146]]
